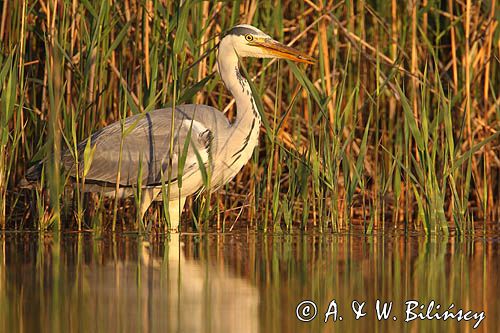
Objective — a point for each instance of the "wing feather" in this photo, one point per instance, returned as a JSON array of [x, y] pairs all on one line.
[[146, 143]]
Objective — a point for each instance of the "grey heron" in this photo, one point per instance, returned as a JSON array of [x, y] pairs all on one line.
[[213, 142]]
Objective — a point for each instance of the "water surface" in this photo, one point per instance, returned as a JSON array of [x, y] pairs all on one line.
[[243, 282]]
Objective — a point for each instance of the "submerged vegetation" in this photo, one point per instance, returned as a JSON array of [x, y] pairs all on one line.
[[396, 127]]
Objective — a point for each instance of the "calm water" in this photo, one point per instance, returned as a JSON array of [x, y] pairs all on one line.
[[243, 282]]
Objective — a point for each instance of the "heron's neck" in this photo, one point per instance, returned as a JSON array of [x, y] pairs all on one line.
[[247, 115], [243, 134]]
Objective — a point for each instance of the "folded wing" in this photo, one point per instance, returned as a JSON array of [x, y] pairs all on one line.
[[146, 149]]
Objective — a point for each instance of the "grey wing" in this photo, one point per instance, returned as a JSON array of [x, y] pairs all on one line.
[[146, 148]]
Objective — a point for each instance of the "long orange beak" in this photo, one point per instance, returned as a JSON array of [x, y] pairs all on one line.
[[285, 52]]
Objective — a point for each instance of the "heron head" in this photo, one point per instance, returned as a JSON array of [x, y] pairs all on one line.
[[248, 41]]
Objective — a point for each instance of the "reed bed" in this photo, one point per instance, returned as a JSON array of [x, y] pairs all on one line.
[[396, 127]]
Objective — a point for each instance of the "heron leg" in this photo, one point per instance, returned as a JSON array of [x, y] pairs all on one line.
[[175, 211], [148, 195]]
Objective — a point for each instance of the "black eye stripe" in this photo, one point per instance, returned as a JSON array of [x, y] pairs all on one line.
[[238, 31]]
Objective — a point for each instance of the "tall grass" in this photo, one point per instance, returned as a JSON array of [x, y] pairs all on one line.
[[396, 127]]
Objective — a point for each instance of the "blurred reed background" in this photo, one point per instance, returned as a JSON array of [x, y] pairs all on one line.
[[396, 127]]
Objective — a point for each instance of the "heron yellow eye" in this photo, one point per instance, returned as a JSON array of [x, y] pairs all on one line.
[[249, 38]]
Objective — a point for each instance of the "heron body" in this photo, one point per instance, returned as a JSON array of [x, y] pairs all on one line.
[[205, 143]]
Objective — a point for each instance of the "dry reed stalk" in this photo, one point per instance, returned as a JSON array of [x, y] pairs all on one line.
[[147, 32], [3, 20], [394, 31], [250, 11], [488, 169], [326, 66], [488, 46], [72, 41], [414, 58], [453, 47], [23, 41], [202, 66], [467, 62]]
